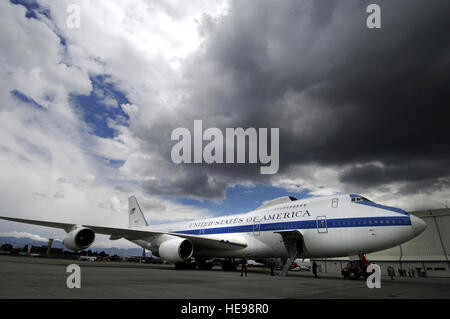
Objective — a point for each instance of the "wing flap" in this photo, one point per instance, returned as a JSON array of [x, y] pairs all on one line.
[[204, 243], [117, 233]]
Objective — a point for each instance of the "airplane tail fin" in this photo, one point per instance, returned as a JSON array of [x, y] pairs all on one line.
[[136, 218]]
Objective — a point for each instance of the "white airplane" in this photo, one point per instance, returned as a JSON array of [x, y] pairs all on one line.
[[286, 228]]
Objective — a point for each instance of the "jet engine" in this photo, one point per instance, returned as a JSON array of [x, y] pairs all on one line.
[[176, 250], [79, 239]]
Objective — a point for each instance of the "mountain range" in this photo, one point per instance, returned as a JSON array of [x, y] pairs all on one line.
[[23, 241]]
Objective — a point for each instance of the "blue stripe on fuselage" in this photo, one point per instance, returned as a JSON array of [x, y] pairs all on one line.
[[303, 224]]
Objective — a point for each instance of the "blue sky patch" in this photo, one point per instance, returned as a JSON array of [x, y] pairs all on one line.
[[22, 97], [33, 11], [241, 199], [102, 105], [33, 8]]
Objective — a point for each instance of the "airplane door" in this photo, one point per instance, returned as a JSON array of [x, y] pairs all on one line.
[[322, 224], [256, 229], [334, 203]]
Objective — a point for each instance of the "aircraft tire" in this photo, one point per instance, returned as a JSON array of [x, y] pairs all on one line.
[[353, 274]]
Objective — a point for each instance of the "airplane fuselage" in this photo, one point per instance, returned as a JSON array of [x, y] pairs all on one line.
[[332, 226]]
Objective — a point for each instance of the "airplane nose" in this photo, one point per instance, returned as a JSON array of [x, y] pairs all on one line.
[[418, 225]]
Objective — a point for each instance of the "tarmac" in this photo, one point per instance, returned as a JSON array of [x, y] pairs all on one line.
[[32, 277]]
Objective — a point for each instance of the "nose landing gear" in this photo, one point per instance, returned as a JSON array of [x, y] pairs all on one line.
[[356, 268]]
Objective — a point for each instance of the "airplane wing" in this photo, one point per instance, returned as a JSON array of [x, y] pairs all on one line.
[[123, 232], [198, 241], [116, 233], [65, 226], [213, 243]]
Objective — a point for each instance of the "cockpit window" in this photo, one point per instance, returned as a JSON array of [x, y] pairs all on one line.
[[360, 199]]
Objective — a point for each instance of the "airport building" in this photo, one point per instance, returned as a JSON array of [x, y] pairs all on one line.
[[427, 255]]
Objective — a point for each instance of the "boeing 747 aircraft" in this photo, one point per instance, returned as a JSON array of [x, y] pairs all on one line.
[[285, 228]]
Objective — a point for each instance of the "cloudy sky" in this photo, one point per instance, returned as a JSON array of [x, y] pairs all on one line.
[[87, 113]]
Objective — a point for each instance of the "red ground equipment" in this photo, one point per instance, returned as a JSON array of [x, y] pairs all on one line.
[[356, 268]]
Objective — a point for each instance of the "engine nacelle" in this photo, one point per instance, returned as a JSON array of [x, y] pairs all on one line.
[[176, 250], [79, 239]]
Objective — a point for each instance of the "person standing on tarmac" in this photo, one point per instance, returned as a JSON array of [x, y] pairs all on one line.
[[272, 267], [391, 272], [314, 269], [244, 266]]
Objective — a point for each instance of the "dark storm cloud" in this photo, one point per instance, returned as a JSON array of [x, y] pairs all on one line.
[[340, 93], [192, 182], [426, 174]]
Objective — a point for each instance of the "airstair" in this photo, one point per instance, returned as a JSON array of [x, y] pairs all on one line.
[[293, 241]]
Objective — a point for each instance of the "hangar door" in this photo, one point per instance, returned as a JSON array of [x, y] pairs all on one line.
[[322, 224]]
